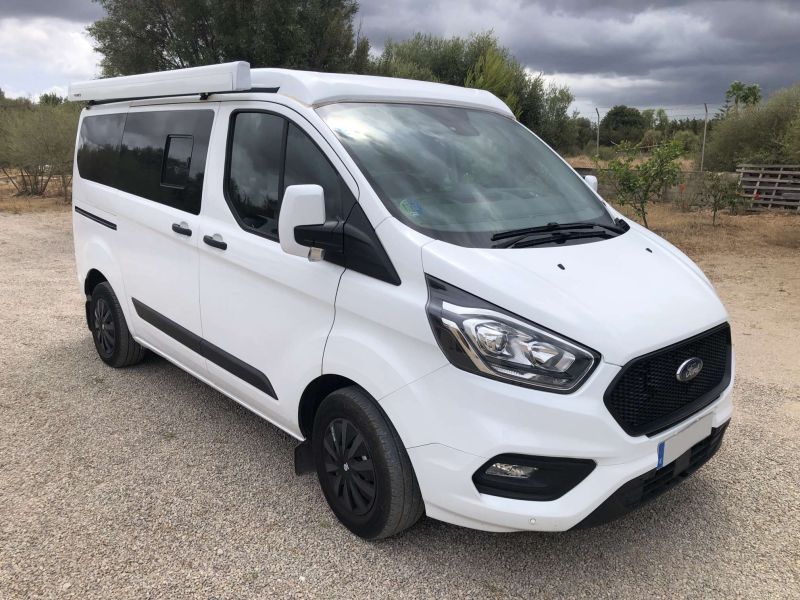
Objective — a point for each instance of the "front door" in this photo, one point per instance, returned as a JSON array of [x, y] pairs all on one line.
[[266, 315]]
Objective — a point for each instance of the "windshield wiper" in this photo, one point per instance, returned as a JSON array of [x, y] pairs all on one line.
[[558, 237], [621, 227], [518, 234]]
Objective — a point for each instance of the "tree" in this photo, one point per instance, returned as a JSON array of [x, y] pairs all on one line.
[[156, 35], [621, 123], [637, 185], [51, 99], [756, 135], [493, 73], [740, 93], [717, 192], [38, 142]]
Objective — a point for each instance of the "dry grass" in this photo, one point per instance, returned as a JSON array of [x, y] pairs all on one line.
[[11, 203], [587, 162], [755, 233]]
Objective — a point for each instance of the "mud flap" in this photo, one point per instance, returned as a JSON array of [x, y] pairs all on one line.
[[303, 458]]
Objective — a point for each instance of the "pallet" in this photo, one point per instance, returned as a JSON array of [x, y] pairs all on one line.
[[770, 187]]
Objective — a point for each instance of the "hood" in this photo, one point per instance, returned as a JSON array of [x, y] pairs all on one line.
[[623, 297]]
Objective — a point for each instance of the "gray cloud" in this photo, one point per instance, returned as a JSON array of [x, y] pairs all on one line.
[[638, 52], [83, 11], [621, 51]]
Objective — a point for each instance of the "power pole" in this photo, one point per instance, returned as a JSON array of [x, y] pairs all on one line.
[[705, 128], [598, 130]]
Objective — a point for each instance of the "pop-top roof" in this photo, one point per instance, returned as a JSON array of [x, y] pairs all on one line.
[[304, 86], [313, 88]]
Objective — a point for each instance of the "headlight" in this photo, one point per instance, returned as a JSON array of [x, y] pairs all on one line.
[[481, 338]]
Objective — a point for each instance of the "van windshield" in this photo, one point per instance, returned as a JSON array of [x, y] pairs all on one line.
[[461, 175]]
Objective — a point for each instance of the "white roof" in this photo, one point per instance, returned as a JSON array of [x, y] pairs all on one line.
[[314, 88], [307, 87]]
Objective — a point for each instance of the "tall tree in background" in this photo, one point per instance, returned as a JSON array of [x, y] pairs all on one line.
[[623, 123], [156, 35], [743, 94]]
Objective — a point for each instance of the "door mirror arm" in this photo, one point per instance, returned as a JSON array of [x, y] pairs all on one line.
[[328, 237]]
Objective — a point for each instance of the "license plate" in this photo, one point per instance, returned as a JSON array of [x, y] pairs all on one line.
[[678, 443]]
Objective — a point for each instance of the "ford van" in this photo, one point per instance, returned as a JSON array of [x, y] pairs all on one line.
[[444, 314]]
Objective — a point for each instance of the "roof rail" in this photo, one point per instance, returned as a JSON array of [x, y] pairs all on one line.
[[226, 77]]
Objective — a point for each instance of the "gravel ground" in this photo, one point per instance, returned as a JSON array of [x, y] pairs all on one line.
[[146, 483]]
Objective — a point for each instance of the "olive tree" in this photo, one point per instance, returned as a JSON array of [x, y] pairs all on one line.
[[37, 145]]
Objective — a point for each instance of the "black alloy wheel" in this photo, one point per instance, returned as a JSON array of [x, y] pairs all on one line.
[[112, 338], [363, 468], [349, 468], [104, 330]]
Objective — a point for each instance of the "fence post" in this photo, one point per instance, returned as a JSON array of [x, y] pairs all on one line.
[[705, 127], [598, 130]]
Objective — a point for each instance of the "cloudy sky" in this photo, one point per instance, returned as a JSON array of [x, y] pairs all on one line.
[[676, 54]]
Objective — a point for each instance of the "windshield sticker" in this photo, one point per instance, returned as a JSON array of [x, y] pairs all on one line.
[[410, 208]]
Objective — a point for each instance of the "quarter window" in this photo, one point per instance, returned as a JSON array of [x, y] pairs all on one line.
[[98, 147]]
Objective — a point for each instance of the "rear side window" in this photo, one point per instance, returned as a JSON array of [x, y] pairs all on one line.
[[98, 147], [163, 156], [267, 154]]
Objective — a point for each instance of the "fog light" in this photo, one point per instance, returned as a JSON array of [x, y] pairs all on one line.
[[507, 470], [523, 477]]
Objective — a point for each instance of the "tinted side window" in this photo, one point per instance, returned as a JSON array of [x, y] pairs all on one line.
[[306, 164], [98, 147], [254, 185], [146, 169]]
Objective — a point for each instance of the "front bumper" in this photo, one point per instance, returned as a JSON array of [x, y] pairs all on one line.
[[452, 422]]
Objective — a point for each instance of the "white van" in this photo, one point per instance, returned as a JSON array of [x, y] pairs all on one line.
[[408, 281]]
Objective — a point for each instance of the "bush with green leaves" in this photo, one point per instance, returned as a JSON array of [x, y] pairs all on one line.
[[637, 183], [765, 133], [718, 191], [37, 144]]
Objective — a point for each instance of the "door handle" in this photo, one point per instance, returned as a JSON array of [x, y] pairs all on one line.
[[215, 241], [182, 229]]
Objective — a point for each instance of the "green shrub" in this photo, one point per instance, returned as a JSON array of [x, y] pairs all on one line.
[[636, 185], [760, 134]]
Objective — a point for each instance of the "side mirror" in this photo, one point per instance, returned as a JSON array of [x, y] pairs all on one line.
[[302, 205], [591, 181]]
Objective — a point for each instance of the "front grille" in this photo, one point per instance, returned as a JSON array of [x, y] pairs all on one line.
[[646, 396], [654, 483]]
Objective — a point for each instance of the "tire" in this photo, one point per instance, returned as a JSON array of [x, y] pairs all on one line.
[[112, 339], [368, 481]]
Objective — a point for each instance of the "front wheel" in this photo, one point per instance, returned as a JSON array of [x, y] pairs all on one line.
[[363, 469]]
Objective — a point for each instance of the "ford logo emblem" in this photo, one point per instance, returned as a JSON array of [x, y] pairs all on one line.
[[689, 369]]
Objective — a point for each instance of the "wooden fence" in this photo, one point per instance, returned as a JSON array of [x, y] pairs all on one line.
[[770, 187]]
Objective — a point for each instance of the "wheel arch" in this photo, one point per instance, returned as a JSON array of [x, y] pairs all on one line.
[[313, 395]]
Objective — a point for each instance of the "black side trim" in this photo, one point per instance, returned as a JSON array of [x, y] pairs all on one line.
[[206, 349], [95, 218], [642, 489]]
